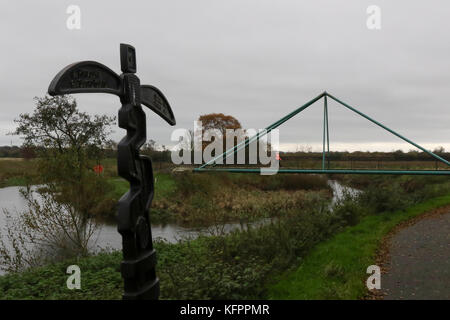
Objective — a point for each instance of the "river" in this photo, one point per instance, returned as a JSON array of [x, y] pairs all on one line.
[[107, 236]]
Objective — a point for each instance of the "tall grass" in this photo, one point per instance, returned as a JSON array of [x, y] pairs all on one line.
[[204, 199], [17, 172]]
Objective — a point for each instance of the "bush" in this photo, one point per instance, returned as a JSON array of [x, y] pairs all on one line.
[[100, 279], [188, 184], [422, 188], [238, 265], [388, 197], [350, 208], [303, 181], [235, 266]]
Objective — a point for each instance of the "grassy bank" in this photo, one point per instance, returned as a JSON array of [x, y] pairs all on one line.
[[333, 250], [249, 262], [193, 199], [206, 199], [217, 267], [336, 269]]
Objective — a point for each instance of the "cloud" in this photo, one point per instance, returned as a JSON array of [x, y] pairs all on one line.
[[256, 60]]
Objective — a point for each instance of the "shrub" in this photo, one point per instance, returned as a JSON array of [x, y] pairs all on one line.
[[385, 197], [100, 280], [350, 208], [48, 231], [189, 183], [236, 266], [303, 181]]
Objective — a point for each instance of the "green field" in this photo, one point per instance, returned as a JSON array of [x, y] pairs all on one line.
[[16, 171], [164, 185]]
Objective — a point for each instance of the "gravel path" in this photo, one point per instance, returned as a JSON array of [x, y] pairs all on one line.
[[418, 265]]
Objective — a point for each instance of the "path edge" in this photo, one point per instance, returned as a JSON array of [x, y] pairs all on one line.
[[382, 255]]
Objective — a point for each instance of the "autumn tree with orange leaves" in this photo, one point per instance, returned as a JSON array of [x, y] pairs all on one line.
[[220, 122]]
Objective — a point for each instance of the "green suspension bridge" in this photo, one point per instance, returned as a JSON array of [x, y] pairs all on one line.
[[210, 165]]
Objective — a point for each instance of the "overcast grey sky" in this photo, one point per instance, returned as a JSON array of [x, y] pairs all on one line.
[[256, 60]]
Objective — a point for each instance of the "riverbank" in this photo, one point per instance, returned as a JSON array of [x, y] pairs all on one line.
[[336, 269], [247, 264], [186, 204], [234, 265], [201, 200], [192, 200]]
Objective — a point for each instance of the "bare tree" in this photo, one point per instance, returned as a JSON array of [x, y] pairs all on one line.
[[47, 231]]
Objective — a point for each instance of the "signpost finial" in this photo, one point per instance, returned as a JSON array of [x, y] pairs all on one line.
[[127, 58]]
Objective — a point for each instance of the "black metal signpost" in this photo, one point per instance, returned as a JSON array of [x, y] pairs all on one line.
[[138, 266]]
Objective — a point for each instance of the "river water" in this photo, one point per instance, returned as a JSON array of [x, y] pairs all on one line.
[[107, 236]]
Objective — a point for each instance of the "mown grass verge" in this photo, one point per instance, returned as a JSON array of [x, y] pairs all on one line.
[[336, 269]]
